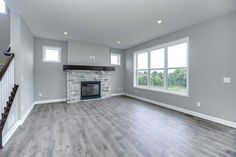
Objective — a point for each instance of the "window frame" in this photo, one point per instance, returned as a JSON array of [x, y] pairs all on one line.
[[51, 48], [5, 6], [119, 58], [165, 86]]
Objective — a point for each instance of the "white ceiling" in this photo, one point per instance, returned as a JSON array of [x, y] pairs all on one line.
[[108, 21]]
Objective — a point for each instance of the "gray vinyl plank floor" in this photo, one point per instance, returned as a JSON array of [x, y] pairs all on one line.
[[117, 127]]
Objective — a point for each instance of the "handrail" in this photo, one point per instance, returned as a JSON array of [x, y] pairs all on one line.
[[6, 66]]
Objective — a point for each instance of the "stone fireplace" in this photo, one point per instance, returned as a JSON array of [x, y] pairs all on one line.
[[75, 77]]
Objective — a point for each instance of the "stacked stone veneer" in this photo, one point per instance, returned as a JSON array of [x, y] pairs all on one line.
[[75, 77]]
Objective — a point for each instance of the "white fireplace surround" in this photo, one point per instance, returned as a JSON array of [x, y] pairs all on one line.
[[75, 77]]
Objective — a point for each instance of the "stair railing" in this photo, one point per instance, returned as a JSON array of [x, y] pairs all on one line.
[[8, 90]]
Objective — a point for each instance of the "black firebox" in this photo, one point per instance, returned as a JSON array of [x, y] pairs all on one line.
[[90, 90]]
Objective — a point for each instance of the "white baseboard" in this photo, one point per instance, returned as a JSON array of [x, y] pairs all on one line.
[[117, 94], [196, 114], [26, 114], [49, 101], [16, 125], [10, 133]]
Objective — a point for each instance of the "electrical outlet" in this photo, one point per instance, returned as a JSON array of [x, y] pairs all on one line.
[[120, 89], [199, 104], [40, 94]]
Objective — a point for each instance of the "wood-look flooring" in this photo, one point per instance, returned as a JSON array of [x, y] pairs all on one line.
[[117, 127]]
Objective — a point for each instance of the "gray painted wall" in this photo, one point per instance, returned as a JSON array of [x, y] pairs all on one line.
[[80, 52], [22, 46], [3, 58], [117, 81], [4, 35], [25, 64], [49, 78], [211, 57], [51, 75]]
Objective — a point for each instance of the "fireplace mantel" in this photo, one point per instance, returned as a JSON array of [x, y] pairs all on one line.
[[88, 67]]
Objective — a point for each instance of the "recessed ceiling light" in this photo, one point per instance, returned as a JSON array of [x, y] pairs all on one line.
[[118, 42], [65, 33], [159, 21]]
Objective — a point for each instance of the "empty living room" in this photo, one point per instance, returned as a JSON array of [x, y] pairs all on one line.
[[117, 78]]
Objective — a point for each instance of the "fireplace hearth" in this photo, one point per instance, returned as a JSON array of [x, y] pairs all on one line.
[[90, 90]]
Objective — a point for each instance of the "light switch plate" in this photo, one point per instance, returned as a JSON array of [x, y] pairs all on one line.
[[227, 80], [199, 104], [40, 94]]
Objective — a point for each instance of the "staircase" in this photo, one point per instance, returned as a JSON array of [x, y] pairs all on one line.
[[8, 90]]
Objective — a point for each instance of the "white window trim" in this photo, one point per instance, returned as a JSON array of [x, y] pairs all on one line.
[[52, 48], [5, 6], [119, 59], [148, 88]]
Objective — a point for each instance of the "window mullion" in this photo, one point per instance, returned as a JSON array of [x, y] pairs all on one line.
[[149, 67], [165, 69], [136, 62], [136, 82]]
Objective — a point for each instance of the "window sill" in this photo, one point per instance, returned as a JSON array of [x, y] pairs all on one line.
[[162, 91], [52, 62], [117, 65]]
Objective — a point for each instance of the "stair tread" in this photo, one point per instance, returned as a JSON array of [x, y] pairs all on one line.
[[7, 109]]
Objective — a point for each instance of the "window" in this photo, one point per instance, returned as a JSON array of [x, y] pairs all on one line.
[[115, 59], [163, 68], [3, 7], [51, 54]]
